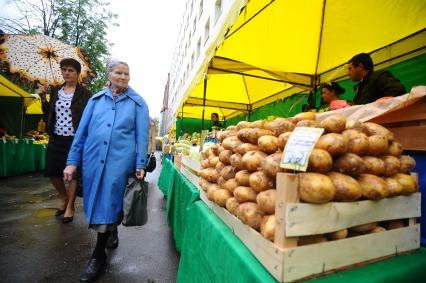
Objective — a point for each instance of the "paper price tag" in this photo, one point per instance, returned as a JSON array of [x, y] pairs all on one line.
[[299, 147]]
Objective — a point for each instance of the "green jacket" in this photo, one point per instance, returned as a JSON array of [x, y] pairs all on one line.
[[376, 85]]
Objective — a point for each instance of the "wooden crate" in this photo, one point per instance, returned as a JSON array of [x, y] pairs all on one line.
[[287, 262], [408, 125]]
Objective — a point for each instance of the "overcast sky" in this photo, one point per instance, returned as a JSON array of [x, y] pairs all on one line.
[[146, 39]]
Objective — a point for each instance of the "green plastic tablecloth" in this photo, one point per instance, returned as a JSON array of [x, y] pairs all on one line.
[[19, 156], [167, 175]]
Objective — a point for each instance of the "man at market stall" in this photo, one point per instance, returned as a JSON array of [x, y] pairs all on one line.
[[215, 122], [372, 85]]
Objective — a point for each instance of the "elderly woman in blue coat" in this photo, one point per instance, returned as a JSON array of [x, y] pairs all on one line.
[[110, 145]]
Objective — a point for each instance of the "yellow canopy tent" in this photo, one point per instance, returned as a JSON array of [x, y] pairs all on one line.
[[7, 88], [293, 46]]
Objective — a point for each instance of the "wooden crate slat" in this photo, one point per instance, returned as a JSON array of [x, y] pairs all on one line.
[[305, 261], [310, 219]]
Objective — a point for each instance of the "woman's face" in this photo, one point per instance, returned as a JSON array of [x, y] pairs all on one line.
[[69, 74], [120, 76], [328, 94]]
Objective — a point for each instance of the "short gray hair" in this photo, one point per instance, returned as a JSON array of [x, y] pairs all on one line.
[[114, 63]]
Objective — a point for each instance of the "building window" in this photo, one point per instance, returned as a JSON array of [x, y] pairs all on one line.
[[195, 25], [201, 8], [217, 10], [198, 48], [206, 30]]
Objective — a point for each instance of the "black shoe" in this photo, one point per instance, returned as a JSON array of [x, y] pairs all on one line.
[[59, 212], [67, 220], [94, 268], [112, 242]]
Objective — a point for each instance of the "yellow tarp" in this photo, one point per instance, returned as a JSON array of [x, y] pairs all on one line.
[[296, 45], [7, 88]]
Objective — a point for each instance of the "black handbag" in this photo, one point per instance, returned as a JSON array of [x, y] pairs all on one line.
[[151, 164], [135, 203]]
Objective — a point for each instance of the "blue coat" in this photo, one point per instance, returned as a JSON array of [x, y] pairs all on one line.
[[110, 143]]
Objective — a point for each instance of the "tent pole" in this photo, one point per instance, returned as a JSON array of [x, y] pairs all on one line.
[[204, 101], [21, 132]]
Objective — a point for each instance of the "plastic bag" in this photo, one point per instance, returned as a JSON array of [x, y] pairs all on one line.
[[135, 203]]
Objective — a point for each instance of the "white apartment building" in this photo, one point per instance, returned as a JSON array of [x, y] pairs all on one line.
[[204, 24]]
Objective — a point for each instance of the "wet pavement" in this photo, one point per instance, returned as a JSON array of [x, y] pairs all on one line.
[[36, 247]]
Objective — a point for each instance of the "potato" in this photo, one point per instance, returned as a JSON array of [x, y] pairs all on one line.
[[258, 124], [231, 128], [210, 174], [228, 172], [221, 181], [347, 188], [250, 214], [358, 143], [335, 144], [213, 160], [378, 229], [244, 194], [231, 143], [210, 191], [242, 178], [377, 145], [373, 165], [393, 187], [308, 123], [395, 149], [320, 161], [372, 187], [232, 205], [409, 184], [271, 165], [266, 201], [230, 185], [219, 166], [209, 153], [338, 235], [243, 134], [394, 224], [267, 144], [236, 161], [204, 184], [220, 196], [350, 164], [279, 126], [253, 159], [392, 165], [255, 134], [407, 163], [260, 182], [316, 188], [220, 148], [304, 116], [282, 140], [245, 147], [224, 156], [214, 149], [334, 124], [356, 125], [267, 227], [364, 228], [221, 136], [242, 125], [376, 129], [205, 163], [309, 240]]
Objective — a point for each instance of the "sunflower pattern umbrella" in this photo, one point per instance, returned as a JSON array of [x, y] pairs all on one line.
[[35, 59]]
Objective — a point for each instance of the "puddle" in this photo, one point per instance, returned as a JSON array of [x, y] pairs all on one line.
[[44, 212]]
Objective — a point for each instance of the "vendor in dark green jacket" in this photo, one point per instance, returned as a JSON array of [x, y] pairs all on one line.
[[372, 84]]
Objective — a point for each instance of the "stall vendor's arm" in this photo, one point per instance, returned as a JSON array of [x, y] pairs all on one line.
[[142, 134]]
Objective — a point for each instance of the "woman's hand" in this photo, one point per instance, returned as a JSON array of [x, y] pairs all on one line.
[[140, 173], [41, 91], [69, 172]]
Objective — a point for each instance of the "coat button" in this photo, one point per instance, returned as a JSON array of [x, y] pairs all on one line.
[[113, 108], [102, 161], [105, 142], [109, 125]]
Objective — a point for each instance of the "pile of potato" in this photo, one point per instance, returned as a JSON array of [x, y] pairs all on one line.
[[351, 161]]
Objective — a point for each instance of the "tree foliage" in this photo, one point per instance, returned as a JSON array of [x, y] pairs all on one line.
[[81, 23]]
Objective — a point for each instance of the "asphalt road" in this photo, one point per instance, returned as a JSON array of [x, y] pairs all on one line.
[[36, 247]]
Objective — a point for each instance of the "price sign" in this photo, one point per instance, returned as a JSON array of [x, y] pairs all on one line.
[[299, 147]]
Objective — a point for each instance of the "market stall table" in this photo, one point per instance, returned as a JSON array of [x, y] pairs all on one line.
[[19, 156]]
